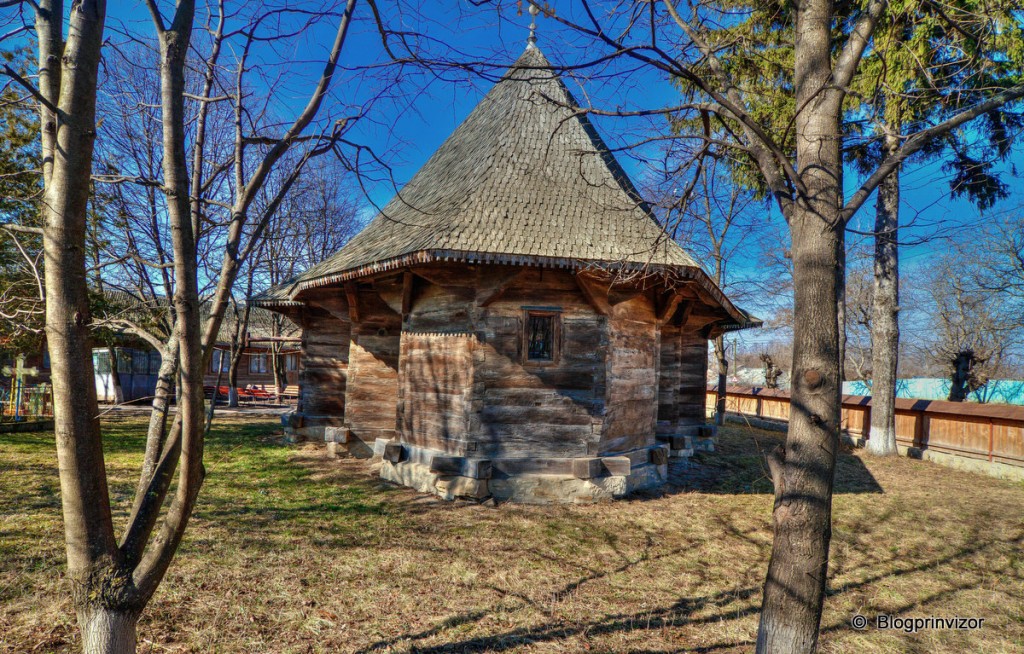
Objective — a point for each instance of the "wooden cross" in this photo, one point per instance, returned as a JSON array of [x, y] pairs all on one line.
[[19, 371]]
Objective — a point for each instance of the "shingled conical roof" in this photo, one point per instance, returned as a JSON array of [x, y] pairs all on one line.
[[525, 179]]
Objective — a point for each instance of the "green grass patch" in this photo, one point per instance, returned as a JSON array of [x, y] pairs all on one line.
[[289, 551]]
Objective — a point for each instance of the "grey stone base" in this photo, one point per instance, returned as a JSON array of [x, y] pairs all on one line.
[[704, 444], [991, 468], [525, 488]]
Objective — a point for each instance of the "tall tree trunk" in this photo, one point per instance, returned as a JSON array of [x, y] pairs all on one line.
[[106, 631], [68, 74], [723, 374], [960, 376], [115, 377], [233, 379], [803, 470], [885, 328], [280, 374], [841, 307], [156, 434]]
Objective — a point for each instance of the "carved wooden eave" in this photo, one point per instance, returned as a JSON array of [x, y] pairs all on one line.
[[500, 286], [352, 295], [594, 292]]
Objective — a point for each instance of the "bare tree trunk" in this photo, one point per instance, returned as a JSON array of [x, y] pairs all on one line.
[[238, 341], [804, 469], [841, 306], [115, 377], [885, 328], [280, 374], [156, 434], [233, 381], [68, 74], [960, 376], [106, 631], [723, 373]]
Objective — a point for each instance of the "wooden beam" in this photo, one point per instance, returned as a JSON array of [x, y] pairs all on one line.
[[594, 294], [620, 295], [352, 295], [684, 312], [667, 305], [408, 287], [505, 283]]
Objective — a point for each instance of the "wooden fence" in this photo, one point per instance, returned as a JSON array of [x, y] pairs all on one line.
[[988, 433]]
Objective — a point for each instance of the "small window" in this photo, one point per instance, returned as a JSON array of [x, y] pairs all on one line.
[[124, 361], [541, 337], [101, 361], [140, 362], [291, 362], [257, 363], [221, 358], [154, 362]]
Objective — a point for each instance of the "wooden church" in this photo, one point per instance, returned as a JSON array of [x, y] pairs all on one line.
[[514, 323]]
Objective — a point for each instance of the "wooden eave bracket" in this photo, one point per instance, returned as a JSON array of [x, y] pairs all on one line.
[[594, 293], [408, 289], [352, 295], [501, 288], [667, 304]]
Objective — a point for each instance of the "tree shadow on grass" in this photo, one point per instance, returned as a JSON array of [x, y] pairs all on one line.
[[714, 609], [738, 467]]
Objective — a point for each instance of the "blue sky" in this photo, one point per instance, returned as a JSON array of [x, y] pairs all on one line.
[[422, 108], [419, 108]]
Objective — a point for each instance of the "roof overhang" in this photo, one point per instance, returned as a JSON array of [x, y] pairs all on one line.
[[289, 295]]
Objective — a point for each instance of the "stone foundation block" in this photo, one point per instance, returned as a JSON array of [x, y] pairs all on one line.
[[459, 466], [704, 445], [617, 466], [393, 452], [450, 488], [336, 434], [676, 441]]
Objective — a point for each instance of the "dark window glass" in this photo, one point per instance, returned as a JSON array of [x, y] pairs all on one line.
[[154, 362], [124, 361], [140, 362], [540, 344]]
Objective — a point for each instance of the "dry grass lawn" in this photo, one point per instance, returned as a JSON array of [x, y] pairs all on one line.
[[291, 552]]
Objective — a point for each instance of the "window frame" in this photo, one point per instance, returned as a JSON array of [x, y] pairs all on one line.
[[555, 314], [223, 357], [260, 369]]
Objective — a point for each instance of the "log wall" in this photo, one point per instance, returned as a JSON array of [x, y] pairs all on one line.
[[371, 395], [693, 376], [323, 370], [632, 383], [435, 390], [531, 409], [435, 356]]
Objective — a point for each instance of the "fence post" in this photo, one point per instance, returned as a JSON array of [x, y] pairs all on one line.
[[991, 439]]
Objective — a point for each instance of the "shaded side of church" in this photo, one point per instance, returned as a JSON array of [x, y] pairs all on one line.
[[514, 323]]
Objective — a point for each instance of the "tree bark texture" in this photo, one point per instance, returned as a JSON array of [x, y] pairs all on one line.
[[803, 471], [960, 376], [68, 80], [885, 329], [115, 377], [105, 631], [723, 374]]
